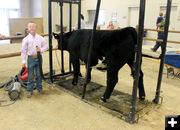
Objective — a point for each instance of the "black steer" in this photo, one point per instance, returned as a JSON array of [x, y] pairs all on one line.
[[117, 46]]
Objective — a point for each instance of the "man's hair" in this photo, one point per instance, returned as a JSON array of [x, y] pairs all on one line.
[[32, 22], [161, 14]]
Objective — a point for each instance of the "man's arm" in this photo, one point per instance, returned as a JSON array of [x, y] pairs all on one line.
[[159, 20], [24, 52], [2, 36], [44, 46], [158, 25], [161, 24]]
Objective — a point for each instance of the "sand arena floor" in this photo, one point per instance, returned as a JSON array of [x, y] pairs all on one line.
[[58, 110]]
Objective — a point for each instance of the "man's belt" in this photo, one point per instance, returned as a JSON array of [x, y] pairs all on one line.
[[34, 56]]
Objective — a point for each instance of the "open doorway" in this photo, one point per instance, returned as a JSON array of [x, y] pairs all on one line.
[[8, 11], [101, 19], [133, 16]]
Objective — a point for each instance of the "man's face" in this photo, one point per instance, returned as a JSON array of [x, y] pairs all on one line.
[[32, 28]]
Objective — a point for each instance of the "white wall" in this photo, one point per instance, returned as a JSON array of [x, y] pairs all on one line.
[[30, 8], [25, 8], [56, 15], [36, 8], [121, 7], [44, 4]]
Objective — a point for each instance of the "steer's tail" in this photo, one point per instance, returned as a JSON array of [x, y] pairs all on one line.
[[134, 34]]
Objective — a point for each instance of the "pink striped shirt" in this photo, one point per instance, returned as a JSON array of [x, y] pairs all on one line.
[[110, 27], [29, 46]]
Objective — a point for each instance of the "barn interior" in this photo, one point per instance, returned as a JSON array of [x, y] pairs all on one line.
[[61, 106]]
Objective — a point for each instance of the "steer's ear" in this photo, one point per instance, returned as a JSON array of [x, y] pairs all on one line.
[[68, 34], [56, 35]]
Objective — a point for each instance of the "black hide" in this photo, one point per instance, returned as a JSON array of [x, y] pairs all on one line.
[[117, 46]]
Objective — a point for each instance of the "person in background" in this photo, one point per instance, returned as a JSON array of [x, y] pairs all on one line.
[[159, 19], [110, 26], [2, 36], [32, 44], [82, 23], [160, 35]]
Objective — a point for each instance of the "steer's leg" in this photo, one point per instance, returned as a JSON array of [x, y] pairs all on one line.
[[140, 83], [112, 79], [76, 68], [131, 65], [89, 75], [141, 86]]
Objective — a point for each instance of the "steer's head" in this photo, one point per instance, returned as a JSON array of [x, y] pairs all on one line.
[[64, 41]]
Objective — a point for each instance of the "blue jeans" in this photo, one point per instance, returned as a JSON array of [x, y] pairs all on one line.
[[158, 44], [33, 66]]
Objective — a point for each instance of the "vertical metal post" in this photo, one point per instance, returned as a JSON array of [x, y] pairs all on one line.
[[166, 29], [79, 15], [70, 26], [61, 35], [138, 53], [70, 16], [91, 46], [50, 40]]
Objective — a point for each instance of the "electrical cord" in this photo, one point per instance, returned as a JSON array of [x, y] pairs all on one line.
[[4, 100], [57, 60], [6, 104]]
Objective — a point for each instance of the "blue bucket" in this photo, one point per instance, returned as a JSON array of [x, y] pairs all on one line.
[[173, 58]]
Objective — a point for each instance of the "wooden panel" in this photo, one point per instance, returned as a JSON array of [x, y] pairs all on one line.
[[17, 54], [21, 36], [20, 24]]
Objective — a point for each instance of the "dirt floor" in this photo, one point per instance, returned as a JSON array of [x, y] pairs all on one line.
[[58, 110]]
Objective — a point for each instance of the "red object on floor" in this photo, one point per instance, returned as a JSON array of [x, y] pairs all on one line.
[[24, 75]]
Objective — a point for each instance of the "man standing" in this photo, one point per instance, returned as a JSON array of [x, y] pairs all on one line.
[[159, 19], [160, 34], [32, 44]]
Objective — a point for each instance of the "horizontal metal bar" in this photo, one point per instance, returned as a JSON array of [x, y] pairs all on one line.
[[158, 40], [66, 1], [158, 62], [57, 75], [156, 30], [20, 37], [17, 54], [150, 56]]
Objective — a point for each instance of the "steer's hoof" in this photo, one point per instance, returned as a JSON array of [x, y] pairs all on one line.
[[142, 98], [103, 99], [80, 75], [88, 80], [74, 82]]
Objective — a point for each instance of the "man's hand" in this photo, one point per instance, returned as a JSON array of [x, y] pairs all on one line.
[[2, 36], [24, 65], [158, 25], [38, 49]]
